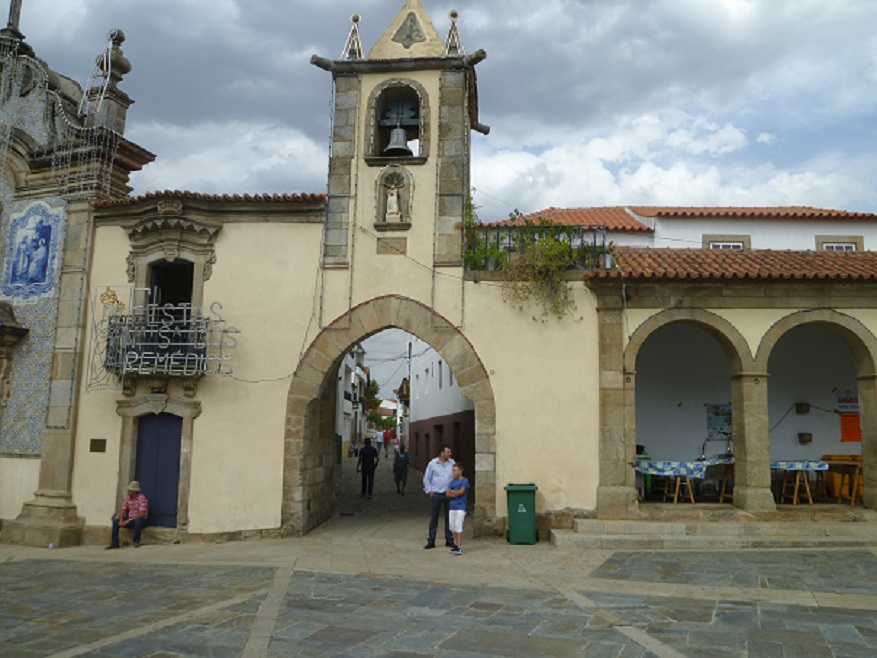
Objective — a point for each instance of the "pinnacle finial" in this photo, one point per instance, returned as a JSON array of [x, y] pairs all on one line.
[[14, 15], [454, 42], [12, 31], [353, 45]]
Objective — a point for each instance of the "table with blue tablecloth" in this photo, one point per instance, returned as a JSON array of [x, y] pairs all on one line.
[[796, 473], [680, 473]]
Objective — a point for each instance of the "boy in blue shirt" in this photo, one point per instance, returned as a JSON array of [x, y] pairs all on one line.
[[458, 492]]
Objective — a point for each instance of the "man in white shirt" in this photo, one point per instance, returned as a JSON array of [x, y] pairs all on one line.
[[438, 475]]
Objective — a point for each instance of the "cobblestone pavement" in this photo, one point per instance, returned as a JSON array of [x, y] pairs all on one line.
[[362, 586]]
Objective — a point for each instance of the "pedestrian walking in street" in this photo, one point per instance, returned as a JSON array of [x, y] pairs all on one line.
[[400, 468], [367, 463], [436, 479], [379, 439], [388, 437], [458, 492]]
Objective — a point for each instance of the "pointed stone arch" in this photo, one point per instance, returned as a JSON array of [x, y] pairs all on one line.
[[863, 347], [309, 458]]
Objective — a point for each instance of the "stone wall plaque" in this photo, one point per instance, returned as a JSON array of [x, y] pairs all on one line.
[[392, 246]]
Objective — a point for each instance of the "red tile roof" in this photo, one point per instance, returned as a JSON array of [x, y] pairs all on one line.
[[198, 196], [624, 219], [614, 218], [752, 212], [764, 264]]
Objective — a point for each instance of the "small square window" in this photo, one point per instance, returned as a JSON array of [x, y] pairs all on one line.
[[726, 242], [842, 243], [839, 246]]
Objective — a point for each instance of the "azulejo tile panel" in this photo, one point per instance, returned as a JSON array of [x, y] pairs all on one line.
[[35, 235], [32, 255]]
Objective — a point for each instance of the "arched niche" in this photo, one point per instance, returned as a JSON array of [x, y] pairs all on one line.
[[398, 103], [395, 198]]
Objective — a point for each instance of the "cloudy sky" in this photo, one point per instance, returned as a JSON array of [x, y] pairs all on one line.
[[591, 102]]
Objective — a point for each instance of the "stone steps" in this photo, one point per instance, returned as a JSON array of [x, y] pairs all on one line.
[[589, 533]]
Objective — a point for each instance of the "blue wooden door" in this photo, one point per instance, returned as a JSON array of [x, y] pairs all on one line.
[[158, 466]]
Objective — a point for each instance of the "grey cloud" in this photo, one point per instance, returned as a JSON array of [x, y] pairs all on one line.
[[557, 70]]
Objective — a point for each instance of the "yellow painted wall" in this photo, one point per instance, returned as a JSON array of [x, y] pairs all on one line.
[[546, 386], [95, 475], [264, 278], [19, 478]]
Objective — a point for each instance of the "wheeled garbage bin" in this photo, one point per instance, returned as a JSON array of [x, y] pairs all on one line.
[[522, 513]]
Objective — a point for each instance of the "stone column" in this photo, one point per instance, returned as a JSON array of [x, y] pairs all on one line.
[[867, 389], [616, 494], [751, 443], [344, 135], [51, 516], [453, 163]]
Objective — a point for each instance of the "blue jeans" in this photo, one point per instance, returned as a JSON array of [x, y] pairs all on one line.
[[138, 528]]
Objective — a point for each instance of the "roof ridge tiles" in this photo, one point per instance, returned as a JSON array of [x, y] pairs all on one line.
[[202, 196], [763, 264]]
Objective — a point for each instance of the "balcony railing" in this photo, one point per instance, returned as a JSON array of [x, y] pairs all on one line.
[[489, 247], [171, 339]]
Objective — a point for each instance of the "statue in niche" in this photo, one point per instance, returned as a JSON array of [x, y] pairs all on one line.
[[394, 184]]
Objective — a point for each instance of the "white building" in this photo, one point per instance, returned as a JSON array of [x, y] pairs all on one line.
[[440, 414], [349, 417]]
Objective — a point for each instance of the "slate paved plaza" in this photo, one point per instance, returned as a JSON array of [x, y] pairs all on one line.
[[363, 586]]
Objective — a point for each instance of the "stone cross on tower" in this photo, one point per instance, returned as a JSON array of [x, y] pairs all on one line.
[[14, 15]]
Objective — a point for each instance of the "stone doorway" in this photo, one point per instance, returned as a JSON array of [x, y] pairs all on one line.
[[310, 468]]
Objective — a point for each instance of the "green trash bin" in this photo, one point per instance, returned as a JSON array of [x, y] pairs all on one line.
[[522, 513]]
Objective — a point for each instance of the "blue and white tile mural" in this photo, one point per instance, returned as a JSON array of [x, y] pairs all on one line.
[[32, 258], [32, 253]]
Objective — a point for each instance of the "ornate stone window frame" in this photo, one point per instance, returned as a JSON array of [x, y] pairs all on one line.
[[392, 173], [155, 403], [170, 235], [372, 126]]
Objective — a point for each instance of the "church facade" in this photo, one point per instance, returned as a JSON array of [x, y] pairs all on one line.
[[193, 342]]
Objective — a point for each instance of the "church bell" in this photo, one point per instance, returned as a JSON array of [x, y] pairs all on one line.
[[398, 143]]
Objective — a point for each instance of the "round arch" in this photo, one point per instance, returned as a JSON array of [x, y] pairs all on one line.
[[857, 337], [863, 346], [309, 451], [731, 341]]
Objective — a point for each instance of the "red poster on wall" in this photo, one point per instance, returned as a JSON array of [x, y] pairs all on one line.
[[850, 430]]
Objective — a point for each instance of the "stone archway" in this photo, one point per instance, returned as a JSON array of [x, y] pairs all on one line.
[[309, 452], [617, 494], [748, 399], [863, 348], [731, 341]]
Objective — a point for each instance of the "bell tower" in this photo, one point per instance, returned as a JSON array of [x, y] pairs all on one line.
[[400, 151]]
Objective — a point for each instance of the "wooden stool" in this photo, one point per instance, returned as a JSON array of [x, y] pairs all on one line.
[[794, 482], [680, 482], [727, 475], [849, 482], [821, 489]]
